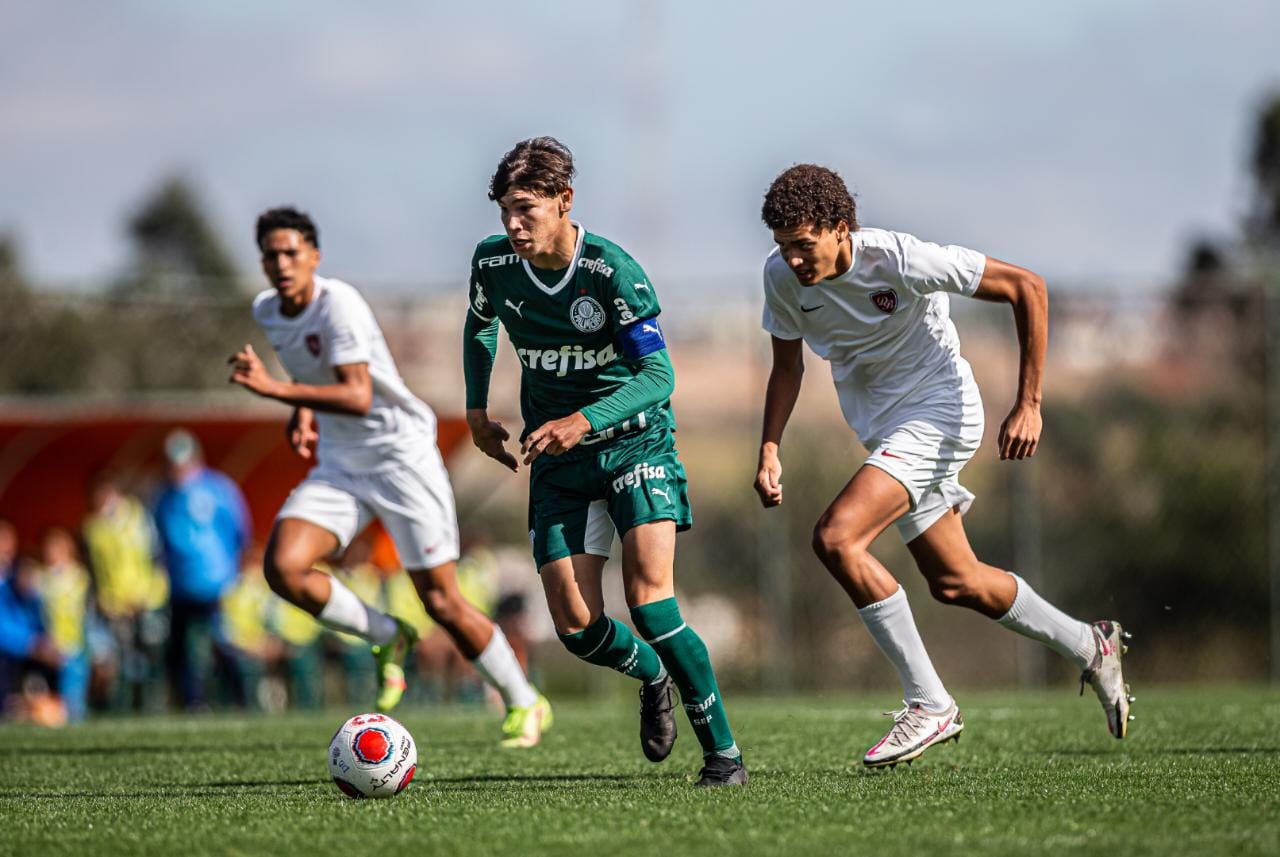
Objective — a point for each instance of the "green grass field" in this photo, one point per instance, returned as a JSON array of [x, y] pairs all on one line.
[[1200, 774]]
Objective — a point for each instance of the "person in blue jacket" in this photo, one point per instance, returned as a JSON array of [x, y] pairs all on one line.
[[203, 524], [24, 645]]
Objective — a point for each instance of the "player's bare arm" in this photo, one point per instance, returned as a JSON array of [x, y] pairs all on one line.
[[1025, 291], [555, 436], [488, 436], [302, 432], [352, 394], [779, 401]]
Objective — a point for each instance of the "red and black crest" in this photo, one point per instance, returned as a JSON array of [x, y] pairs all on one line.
[[313, 344], [886, 300]]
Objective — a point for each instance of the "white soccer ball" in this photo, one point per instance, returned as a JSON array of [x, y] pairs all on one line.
[[372, 755]]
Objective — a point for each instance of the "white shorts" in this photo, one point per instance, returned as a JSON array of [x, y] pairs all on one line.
[[414, 502], [926, 454]]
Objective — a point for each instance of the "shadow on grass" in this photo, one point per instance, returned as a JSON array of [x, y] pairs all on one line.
[[222, 788], [134, 749], [1165, 751]]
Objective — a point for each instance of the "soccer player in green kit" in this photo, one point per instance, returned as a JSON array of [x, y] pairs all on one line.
[[598, 439]]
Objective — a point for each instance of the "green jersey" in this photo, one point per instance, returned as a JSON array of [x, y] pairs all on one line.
[[564, 324]]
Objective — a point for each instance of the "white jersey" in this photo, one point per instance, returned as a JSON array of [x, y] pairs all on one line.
[[884, 325], [338, 328]]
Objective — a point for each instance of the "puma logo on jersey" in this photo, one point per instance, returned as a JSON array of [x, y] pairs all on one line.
[[660, 493], [639, 286], [516, 307], [638, 476], [649, 328], [496, 261], [566, 358], [596, 266]]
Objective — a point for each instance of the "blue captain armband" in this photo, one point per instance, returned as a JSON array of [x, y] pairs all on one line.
[[641, 338]]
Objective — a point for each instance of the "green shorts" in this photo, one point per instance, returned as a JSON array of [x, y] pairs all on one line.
[[576, 501]]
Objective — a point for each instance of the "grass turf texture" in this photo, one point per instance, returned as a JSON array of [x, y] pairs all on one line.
[[1200, 774]]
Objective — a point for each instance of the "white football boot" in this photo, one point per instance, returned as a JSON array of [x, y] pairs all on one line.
[[914, 731], [1106, 678]]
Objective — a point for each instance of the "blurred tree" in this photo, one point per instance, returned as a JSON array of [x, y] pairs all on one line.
[[175, 249], [45, 345], [179, 310], [1263, 223]]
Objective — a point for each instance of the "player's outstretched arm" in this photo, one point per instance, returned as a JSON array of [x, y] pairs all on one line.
[[779, 400], [654, 381], [1026, 292], [479, 348], [351, 394]]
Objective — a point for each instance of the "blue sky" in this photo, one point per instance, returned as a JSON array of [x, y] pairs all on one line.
[[1089, 141]]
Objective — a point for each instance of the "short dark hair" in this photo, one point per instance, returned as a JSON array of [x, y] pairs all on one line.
[[543, 165], [807, 193], [287, 217]]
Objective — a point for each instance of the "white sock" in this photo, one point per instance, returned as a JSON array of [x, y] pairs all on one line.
[[1032, 616], [346, 612], [894, 630], [497, 664]]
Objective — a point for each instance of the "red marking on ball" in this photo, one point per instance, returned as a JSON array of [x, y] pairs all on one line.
[[347, 789], [404, 783], [372, 746]]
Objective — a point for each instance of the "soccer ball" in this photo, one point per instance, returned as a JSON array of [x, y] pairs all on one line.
[[372, 755]]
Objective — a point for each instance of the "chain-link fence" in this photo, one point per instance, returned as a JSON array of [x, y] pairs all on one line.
[[1147, 501]]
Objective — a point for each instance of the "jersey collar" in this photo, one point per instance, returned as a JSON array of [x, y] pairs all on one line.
[[569, 272]]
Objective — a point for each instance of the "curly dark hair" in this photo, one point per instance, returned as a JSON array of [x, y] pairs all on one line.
[[287, 217], [807, 193], [543, 165]]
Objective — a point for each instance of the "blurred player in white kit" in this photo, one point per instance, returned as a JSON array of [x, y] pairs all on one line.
[[375, 444]]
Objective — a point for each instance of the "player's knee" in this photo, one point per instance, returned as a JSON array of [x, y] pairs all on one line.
[[956, 589], [442, 606], [283, 572], [570, 619], [831, 540]]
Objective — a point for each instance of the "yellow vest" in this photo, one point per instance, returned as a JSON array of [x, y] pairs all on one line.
[[64, 591], [120, 550]]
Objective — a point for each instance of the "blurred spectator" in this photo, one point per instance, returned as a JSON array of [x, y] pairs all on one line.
[[8, 549], [300, 655], [244, 620], [131, 591], [63, 584], [25, 648], [203, 524]]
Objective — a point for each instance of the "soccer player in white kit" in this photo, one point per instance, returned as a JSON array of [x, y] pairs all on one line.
[[375, 444], [875, 304]]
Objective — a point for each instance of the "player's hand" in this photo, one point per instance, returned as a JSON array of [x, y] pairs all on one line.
[[488, 435], [302, 432], [248, 371], [555, 437], [1020, 432], [769, 477]]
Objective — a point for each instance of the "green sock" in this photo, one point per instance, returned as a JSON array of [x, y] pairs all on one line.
[[685, 656], [607, 642]]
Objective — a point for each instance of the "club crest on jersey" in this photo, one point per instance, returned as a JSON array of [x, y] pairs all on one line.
[[886, 300], [586, 314], [313, 344], [372, 746]]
